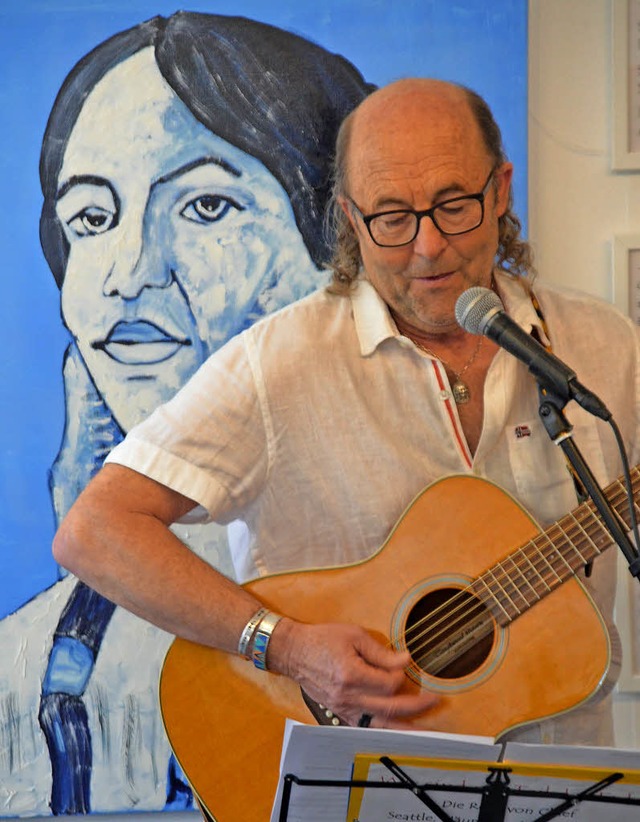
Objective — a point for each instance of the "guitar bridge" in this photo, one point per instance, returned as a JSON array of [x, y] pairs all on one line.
[[322, 715]]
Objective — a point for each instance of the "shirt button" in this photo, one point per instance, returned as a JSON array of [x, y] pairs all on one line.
[[445, 395]]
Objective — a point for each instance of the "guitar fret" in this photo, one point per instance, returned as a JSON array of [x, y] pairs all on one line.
[[492, 599], [555, 579], [603, 540], [511, 589], [594, 548], [636, 507], [506, 598], [533, 567], [541, 545], [555, 556], [526, 580], [624, 514], [570, 552]]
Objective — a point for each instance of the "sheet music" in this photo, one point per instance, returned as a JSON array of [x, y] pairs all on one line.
[[327, 753], [551, 785], [606, 760], [382, 805], [314, 752], [581, 755]]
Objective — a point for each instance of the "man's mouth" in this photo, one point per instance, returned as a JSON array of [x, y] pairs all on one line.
[[139, 343], [435, 277]]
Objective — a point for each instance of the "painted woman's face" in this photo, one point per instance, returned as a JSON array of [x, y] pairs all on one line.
[[177, 239]]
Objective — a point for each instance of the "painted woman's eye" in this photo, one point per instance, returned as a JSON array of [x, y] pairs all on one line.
[[210, 208], [91, 221]]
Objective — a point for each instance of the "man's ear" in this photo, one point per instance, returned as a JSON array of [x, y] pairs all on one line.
[[504, 176], [345, 205]]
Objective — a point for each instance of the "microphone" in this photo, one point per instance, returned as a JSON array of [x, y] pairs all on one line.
[[480, 311]]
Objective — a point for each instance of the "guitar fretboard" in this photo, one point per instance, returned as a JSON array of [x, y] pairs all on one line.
[[541, 565]]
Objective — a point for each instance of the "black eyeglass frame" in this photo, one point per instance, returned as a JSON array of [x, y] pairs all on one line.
[[428, 212]]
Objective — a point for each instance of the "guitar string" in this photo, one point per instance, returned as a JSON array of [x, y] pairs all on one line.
[[478, 607], [471, 613], [510, 577], [585, 516], [465, 612]]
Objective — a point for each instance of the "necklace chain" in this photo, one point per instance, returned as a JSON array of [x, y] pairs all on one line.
[[459, 389]]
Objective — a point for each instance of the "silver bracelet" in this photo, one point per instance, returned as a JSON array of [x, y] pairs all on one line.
[[261, 639], [248, 631]]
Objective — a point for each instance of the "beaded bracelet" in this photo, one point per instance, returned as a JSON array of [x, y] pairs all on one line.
[[261, 639], [248, 631]]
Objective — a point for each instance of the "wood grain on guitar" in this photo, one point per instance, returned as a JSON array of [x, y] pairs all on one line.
[[487, 604]]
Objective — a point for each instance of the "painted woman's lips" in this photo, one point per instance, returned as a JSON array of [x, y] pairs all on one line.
[[140, 343]]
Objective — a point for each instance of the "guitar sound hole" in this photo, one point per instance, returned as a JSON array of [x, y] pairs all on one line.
[[449, 633]]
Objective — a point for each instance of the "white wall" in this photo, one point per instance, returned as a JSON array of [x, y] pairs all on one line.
[[577, 204]]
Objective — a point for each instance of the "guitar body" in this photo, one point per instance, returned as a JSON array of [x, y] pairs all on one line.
[[225, 719]]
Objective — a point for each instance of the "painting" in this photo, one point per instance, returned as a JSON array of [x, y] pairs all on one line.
[[167, 174], [625, 97], [626, 274]]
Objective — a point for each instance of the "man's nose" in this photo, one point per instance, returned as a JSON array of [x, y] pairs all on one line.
[[429, 241]]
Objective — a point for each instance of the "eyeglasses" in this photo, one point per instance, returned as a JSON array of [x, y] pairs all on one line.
[[400, 227]]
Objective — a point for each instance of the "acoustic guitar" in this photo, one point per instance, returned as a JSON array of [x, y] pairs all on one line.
[[505, 637]]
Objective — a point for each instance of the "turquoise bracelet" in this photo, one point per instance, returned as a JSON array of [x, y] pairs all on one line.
[[248, 631], [261, 639]]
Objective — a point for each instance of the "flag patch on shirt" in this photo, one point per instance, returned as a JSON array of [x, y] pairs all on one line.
[[522, 431]]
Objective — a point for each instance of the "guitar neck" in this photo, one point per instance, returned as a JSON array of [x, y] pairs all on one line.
[[515, 583]]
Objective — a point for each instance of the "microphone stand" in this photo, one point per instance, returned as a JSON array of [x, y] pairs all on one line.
[[551, 411]]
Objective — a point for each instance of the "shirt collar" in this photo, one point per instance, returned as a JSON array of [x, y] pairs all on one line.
[[374, 323], [518, 304]]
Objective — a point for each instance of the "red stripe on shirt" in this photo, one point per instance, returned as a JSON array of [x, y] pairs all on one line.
[[460, 438]]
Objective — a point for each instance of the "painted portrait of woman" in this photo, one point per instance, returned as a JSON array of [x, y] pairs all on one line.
[[185, 169]]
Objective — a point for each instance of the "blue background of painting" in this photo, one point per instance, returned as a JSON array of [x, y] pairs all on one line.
[[483, 45]]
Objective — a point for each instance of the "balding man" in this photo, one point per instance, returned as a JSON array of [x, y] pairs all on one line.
[[318, 426]]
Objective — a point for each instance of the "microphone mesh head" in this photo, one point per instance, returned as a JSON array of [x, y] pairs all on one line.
[[475, 306]]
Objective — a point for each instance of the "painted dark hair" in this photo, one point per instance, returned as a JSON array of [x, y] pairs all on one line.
[[273, 94]]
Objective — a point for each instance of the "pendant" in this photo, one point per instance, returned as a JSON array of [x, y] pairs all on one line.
[[460, 392]]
